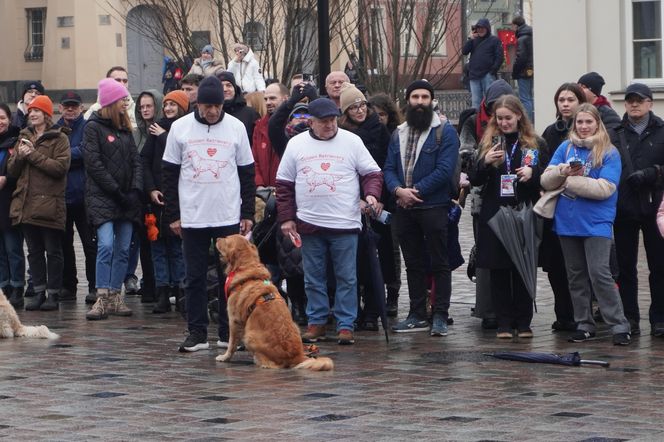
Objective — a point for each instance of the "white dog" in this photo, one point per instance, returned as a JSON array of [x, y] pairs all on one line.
[[11, 326]]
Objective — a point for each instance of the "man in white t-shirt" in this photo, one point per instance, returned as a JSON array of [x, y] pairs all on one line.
[[322, 176], [209, 188]]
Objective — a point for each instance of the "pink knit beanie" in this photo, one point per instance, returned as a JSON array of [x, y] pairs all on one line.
[[109, 91]]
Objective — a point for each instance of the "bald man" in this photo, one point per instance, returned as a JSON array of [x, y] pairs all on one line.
[[333, 84]]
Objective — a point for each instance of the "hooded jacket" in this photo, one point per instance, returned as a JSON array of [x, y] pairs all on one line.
[[141, 130], [112, 167], [76, 176], [238, 108], [248, 73], [524, 53], [39, 198], [486, 53]]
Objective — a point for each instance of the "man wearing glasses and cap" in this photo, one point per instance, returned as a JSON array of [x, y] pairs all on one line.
[[31, 89], [71, 109], [119, 74]]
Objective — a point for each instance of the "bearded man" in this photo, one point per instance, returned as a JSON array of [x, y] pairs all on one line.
[[419, 170]]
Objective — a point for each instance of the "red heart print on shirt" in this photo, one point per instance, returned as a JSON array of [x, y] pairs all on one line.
[[211, 151], [325, 166], [110, 138]]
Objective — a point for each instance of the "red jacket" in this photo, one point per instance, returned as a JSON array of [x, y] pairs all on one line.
[[266, 160]]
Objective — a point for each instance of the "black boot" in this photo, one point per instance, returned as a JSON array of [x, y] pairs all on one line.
[[16, 297], [35, 302], [51, 303], [163, 300], [392, 303], [91, 297]]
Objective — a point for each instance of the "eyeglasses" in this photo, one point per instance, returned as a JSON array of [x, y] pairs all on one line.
[[122, 80], [637, 100], [300, 116], [358, 107]]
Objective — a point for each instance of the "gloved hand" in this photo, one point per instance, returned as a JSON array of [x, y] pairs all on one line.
[[642, 176], [301, 91]]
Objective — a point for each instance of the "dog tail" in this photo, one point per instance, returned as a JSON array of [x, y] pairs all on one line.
[[40, 331], [316, 364]]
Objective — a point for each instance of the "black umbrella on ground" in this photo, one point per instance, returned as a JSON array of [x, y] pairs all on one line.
[[520, 232], [368, 248], [571, 359]]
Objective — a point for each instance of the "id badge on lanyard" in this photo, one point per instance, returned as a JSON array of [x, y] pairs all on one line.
[[508, 180]]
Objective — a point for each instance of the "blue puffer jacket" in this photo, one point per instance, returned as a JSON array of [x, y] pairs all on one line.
[[75, 193], [434, 164]]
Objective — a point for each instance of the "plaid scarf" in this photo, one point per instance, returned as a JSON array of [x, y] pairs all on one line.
[[411, 153]]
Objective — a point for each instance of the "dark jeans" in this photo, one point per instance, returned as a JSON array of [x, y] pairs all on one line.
[[195, 247], [76, 215], [12, 259], [44, 257], [511, 301], [423, 232], [626, 235]]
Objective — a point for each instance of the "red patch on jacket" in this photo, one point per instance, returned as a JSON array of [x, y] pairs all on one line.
[[110, 138]]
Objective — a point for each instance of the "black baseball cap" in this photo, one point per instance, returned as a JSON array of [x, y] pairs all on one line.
[[322, 108], [639, 89], [70, 97]]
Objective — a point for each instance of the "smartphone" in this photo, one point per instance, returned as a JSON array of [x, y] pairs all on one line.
[[575, 164], [26, 141], [497, 139]]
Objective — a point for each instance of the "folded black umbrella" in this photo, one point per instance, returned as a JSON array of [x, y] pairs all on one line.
[[369, 244], [571, 359]]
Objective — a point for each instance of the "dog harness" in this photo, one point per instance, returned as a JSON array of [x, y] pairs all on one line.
[[263, 298]]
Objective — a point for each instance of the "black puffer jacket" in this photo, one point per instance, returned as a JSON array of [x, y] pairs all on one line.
[[374, 135], [112, 167], [486, 53], [647, 153], [524, 53], [554, 135], [238, 108]]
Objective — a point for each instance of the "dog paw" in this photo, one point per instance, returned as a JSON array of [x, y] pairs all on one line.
[[223, 358]]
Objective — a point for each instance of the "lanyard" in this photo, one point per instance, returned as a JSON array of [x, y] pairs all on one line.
[[508, 158]]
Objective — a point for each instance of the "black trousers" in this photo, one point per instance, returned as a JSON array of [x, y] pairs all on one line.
[[423, 232], [195, 247], [77, 216], [626, 235], [511, 301], [44, 257]]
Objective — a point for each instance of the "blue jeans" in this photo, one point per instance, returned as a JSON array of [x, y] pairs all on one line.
[[168, 261], [526, 96], [478, 88], [12, 259], [113, 243], [342, 248]]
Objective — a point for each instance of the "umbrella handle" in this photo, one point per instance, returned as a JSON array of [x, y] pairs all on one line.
[[593, 362]]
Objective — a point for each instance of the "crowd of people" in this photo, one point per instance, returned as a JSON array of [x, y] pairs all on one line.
[[160, 178]]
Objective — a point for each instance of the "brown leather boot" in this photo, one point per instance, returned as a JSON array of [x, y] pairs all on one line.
[[117, 305], [99, 309]]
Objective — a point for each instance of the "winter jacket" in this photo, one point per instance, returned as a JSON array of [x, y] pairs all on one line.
[[276, 127], [434, 164], [609, 117], [20, 117], [238, 108], [75, 194], [490, 252], [131, 111], [141, 129], [8, 140], [206, 69], [266, 160], [112, 168], [151, 158], [248, 73], [646, 153], [374, 135], [587, 207], [486, 53], [554, 135], [523, 63], [39, 198]]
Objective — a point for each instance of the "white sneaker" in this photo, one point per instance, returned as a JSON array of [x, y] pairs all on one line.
[[222, 344]]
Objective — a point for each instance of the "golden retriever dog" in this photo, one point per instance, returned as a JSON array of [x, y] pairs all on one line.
[[11, 326], [257, 314]]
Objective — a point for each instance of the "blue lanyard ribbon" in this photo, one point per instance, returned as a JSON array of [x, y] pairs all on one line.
[[508, 158]]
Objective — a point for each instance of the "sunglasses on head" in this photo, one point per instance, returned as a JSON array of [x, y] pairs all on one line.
[[299, 116]]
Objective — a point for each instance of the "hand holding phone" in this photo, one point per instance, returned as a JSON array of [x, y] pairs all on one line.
[[575, 164]]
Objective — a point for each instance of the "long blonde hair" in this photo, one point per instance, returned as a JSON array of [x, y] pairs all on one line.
[[114, 112], [527, 137], [600, 143], [257, 101]]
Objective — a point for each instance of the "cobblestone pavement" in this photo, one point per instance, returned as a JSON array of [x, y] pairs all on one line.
[[123, 379]]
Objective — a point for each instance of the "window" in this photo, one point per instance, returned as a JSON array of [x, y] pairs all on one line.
[[200, 39], [65, 43], [254, 35], [66, 21], [36, 24], [104, 20], [647, 38], [118, 40]]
